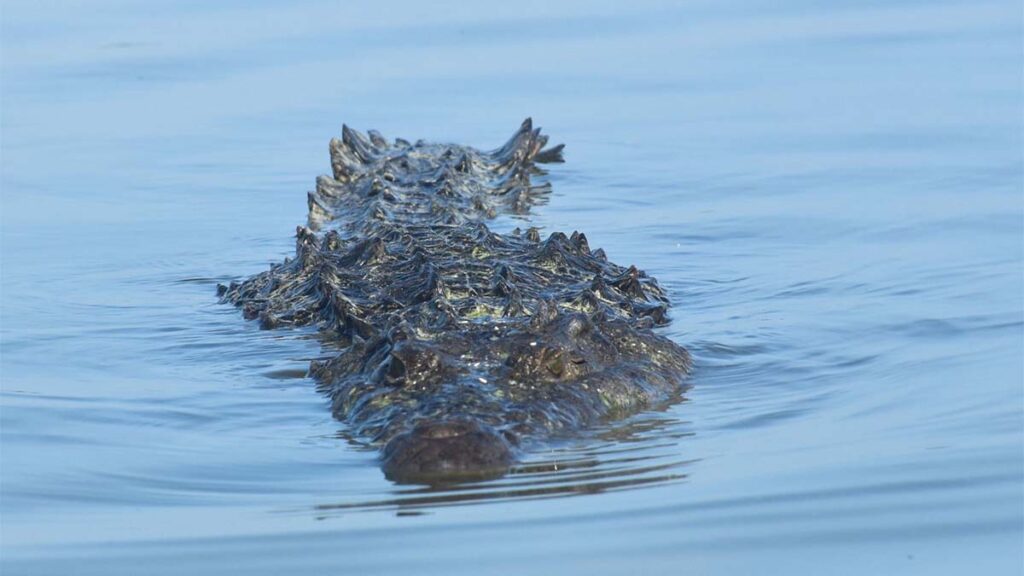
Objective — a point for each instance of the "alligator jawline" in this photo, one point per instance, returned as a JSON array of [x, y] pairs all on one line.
[[459, 346]]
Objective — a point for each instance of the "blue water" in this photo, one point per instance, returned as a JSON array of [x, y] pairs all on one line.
[[831, 191]]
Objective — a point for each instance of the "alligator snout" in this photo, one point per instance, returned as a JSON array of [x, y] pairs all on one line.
[[454, 450]]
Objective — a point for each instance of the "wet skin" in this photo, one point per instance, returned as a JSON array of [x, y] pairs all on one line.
[[460, 347]]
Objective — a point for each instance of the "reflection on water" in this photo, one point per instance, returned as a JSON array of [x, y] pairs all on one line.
[[621, 456], [831, 192]]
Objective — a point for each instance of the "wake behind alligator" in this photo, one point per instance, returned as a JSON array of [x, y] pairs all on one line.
[[460, 347]]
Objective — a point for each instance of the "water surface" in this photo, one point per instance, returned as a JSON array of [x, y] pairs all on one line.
[[831, 192]]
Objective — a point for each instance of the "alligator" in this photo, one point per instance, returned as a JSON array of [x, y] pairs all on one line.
[[453, 348]]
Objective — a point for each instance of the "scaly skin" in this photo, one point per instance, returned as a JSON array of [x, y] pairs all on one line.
[[460, 346]]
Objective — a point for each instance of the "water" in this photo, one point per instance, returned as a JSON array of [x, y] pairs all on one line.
[[832, 192]]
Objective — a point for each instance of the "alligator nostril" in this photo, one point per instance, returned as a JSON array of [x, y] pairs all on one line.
[[448, 430], [451, 451]]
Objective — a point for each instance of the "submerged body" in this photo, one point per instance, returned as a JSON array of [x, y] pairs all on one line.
[[457, 345]]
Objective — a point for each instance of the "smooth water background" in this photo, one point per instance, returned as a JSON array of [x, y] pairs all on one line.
[[832, 192]]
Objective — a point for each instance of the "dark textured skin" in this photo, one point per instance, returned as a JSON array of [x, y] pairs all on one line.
[[457, 346]]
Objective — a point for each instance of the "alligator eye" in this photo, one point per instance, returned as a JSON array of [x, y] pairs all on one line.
[[555, 364], [396, 371]]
